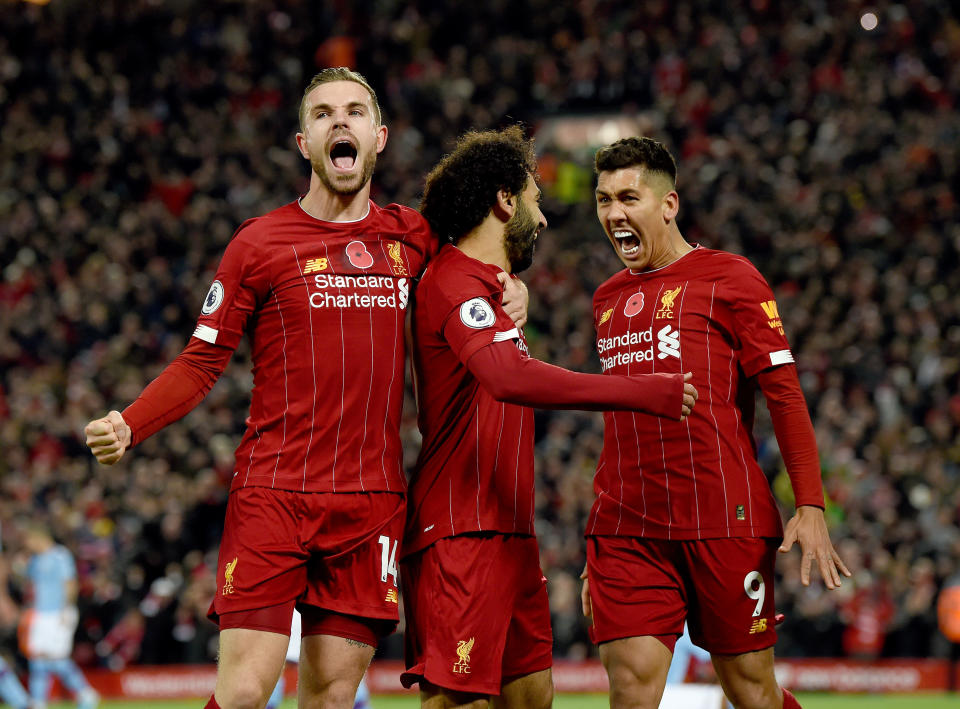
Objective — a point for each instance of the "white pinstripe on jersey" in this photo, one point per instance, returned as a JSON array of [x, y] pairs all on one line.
[[663, 450], [693, 464], [286, 391], [716, 425], [313, 366]]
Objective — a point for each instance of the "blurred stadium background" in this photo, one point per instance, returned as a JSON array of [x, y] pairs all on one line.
[[820, 139]]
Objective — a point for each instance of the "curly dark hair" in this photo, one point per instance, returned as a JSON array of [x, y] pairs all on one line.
[[640, 152], [462, 188]]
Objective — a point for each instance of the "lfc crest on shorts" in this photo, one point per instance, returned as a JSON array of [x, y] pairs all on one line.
[[228, 577], [462, 665]]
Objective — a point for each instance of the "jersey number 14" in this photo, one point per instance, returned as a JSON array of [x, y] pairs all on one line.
[[388, 558]]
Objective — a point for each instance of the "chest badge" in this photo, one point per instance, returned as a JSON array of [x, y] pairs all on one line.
[[666, 303], [634, 304], [358, 255], [396, 258]]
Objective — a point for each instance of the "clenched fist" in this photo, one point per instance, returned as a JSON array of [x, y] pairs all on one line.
[[108, 437], [690, 396]]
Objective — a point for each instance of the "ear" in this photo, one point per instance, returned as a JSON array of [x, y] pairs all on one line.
[[302, 145], [670, 206], [505, 205], [381, 138]]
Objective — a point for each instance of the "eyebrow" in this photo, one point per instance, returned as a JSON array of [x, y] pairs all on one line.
[[625, 190], [326, 106]]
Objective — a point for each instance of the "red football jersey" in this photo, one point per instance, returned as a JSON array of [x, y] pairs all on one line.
[[323, 304], [475, 470], [713, 314]]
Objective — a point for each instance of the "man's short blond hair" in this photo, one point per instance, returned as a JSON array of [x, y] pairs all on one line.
[[340, 73]]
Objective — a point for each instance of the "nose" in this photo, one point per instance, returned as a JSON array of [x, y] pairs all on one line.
[[339, 118], [543, 222], [615, 211]]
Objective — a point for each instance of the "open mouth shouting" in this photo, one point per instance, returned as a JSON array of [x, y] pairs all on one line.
[[627, 242], [343, 155]]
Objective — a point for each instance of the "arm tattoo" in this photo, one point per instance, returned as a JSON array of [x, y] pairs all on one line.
[[356, 643]]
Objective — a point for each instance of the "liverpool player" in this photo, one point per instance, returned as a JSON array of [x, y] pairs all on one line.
[[478, 622], [316, 509], [684, 524]]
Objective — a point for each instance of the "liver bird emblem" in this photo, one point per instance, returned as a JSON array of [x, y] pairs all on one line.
[[228, 576], [463, 650]]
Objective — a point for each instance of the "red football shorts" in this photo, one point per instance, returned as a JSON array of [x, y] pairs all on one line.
[[723, 588], [329, 551], [477, 613]]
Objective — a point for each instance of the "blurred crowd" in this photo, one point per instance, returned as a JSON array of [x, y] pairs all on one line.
[[136, 135]]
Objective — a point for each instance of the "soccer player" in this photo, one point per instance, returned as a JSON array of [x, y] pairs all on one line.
[[478, 622], [685, 524], [48, 626], [316, 508]]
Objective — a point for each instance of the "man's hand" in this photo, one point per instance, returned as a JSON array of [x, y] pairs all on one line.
[[689, 396], [515, 298], [108, 437], [585, 597], [810, 529]]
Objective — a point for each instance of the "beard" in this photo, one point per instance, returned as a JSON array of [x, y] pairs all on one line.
[[520, 237], [344, 184]]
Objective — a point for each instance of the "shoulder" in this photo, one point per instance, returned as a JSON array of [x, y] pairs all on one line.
[[400, 218], [738, 279], [727, 265], [254, 230], [399, 214], [454, 274], [408, 222]]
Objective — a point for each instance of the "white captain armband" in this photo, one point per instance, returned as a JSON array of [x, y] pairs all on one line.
[[781, 357], [208, 334]]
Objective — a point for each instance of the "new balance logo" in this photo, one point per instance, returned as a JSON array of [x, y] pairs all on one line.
[[758, 626], [313, 265], [668, 342]]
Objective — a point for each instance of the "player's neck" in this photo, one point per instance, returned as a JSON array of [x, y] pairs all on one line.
[[485, 244], [321, 203], [675, 248]]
